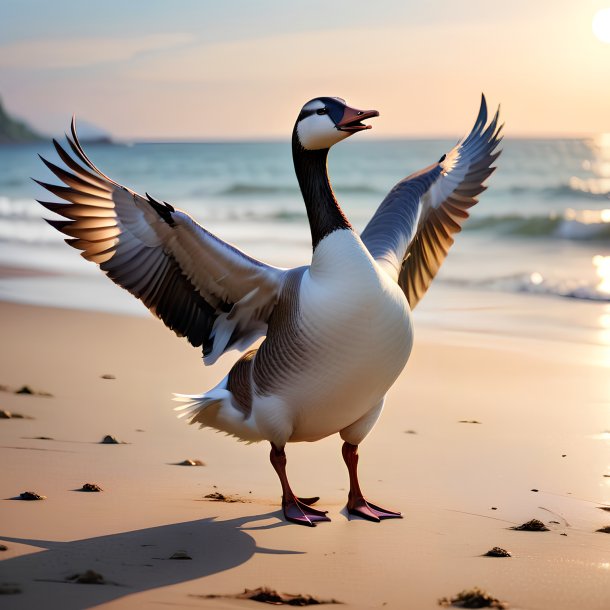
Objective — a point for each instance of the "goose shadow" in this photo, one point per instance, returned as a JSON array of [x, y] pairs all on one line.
[[130, 562]]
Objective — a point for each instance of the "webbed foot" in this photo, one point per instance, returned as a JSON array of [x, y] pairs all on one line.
[[361, 508], [298, 510]]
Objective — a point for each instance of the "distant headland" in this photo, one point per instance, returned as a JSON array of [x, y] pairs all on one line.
[[13, 131]]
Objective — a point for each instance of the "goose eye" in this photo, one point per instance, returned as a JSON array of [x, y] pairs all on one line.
[[322, 111]]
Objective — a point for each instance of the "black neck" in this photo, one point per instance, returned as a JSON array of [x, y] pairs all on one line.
[[323, 211]]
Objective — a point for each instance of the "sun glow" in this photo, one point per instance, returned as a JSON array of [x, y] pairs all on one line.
[[601, 25]]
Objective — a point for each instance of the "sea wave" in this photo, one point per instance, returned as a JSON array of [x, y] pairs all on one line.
[[245, 189], [571, 225], [19, 216], [536, 283], [597, 189]]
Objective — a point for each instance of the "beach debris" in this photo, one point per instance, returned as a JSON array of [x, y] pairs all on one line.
[[563, 534], [606, 508], [533, 525], [535, 490], [564, 454], [497, 551], [91, 487], [604, 530], [26, 389], [555, 522], [189, 463], [88, 578], [181, 555], [110, 440], [472, 598], [216, 496], [9, 588], [606, 476], [3, 547], [266, 595], [469, 421], [107, 376], [410, 432], [494, 508], [4, 414], [31, 495]]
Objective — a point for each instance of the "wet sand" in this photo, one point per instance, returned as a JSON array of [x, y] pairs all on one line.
[[539, 452]]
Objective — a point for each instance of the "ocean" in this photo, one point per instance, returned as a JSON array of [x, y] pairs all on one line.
[[536, 249]]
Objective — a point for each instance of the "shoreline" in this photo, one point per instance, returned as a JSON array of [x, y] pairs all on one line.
[[542, 422]]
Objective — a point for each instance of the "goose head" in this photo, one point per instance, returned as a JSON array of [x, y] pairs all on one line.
[[324, 121]]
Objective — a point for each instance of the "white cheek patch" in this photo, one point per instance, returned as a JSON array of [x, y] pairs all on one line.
[[318, 131]]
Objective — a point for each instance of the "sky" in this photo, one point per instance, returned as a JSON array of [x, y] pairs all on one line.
[[242, 69]]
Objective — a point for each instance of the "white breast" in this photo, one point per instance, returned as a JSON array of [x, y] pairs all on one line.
[[358, 323]]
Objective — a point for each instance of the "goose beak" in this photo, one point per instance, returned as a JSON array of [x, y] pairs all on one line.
[[352, 117]]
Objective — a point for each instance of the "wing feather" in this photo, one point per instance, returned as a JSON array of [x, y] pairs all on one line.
[[412, 230], [201, 287]]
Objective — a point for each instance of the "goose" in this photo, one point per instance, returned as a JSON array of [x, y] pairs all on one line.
[[337, 333]]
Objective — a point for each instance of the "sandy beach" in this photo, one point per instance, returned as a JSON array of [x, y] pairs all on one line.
[[538, 450]]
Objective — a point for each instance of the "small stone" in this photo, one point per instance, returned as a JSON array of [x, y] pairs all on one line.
[[534, 490], [472, 598], [604, 530], [563, 534], [109, 440], [182, 555], [24, 390], [88, 578], [410, 432], [534, 525], [563, 454], [4, 414], [31, 495], [190, 463], [91, 487], [3, 547], [497, 552], [107, 376], [9, 589], [494, 508]]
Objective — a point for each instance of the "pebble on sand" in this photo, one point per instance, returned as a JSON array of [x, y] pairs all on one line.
[[181, 555], [266, 595], [88, 578], [189, 462], [4, 414], [109, 440], [31, 495], [497, 552], [472, 598], [534, 525], [91, 487]]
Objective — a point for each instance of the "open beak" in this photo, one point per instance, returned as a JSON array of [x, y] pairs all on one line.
[[352, 117]]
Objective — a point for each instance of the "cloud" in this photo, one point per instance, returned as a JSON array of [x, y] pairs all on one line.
[[56, 54]]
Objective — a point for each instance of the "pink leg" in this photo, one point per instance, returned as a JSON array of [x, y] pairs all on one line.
[[356, 504], [295, 509]]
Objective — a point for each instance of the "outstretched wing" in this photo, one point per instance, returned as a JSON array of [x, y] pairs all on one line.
[[201, 287], [412, 230]]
